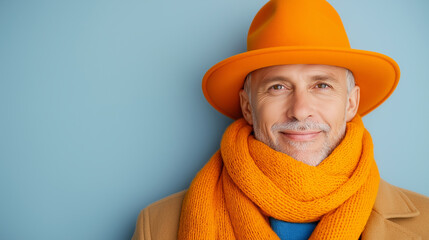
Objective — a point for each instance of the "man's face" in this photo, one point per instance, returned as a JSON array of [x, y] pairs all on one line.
[[300, 110]]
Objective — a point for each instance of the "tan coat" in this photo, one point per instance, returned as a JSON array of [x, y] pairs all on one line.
[[398, 214]]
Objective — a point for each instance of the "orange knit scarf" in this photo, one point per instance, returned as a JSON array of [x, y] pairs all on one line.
[[245, 182]]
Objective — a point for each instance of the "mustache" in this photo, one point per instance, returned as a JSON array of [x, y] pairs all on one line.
[[301, 126]]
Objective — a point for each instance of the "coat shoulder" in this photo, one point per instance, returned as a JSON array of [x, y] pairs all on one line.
[[420, 201], [398, 214], [419, 223], [160, 220]]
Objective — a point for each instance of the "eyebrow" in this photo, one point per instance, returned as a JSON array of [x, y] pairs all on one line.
[[275, 78], [323, 78], [318, 77]]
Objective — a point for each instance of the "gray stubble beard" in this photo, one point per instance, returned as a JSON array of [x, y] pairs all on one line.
[[326, 150]]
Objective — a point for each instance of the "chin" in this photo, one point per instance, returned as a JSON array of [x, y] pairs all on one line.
[[311, 161], [312, 158]]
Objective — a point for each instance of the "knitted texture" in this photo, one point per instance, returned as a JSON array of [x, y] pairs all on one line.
[[245, 182]]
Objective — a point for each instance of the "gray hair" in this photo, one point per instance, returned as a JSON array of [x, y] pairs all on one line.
[[349, 76], [350, 81]]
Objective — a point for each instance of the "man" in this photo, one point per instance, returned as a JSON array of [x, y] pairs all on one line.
[[298, 163]]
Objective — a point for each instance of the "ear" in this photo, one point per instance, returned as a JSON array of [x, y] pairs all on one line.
[[246, 109], [352, 103]]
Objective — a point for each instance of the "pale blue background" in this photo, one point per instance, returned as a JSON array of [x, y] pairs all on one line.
[[102, 111]]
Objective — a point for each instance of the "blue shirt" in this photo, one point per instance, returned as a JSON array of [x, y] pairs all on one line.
[[292, 231]]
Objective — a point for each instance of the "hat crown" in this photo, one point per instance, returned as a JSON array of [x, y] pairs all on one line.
[[297, 23]]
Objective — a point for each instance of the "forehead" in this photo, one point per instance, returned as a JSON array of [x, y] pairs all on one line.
[[291, 70]]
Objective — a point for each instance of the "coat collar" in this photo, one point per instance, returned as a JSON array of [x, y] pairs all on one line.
[[390, 203]]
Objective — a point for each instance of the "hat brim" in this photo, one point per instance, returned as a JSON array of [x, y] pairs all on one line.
[[376, 74]]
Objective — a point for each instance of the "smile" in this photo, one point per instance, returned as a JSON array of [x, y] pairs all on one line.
[[301, 136]]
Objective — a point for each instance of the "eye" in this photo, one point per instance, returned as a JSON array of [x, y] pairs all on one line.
[[277, 87], [322, 85]]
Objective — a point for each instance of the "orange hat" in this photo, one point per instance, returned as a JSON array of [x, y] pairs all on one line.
[[299, 32]]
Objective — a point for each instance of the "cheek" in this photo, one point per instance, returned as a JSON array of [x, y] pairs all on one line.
[[333, 113], [332, 109], [268, 112]]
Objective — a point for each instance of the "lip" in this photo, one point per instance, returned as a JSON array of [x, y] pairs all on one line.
[[301, 136]]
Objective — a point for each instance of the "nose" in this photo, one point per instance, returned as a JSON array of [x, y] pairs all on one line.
[[300, 106]]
